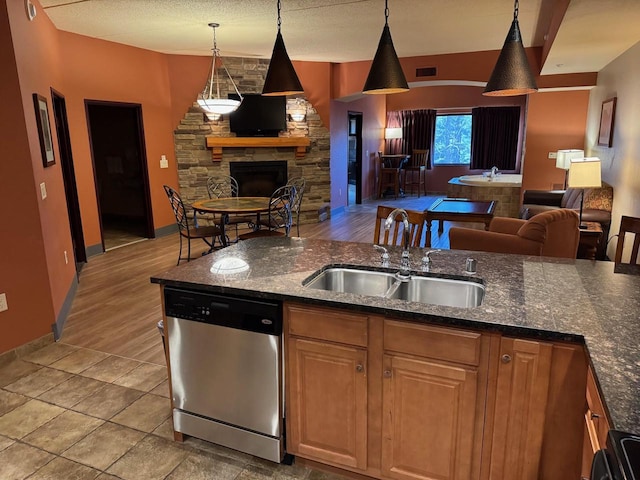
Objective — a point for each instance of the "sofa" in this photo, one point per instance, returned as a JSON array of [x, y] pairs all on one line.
[[598, 203], [553, 233]]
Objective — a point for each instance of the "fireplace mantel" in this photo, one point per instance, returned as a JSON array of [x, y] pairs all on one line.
[[218, 143]]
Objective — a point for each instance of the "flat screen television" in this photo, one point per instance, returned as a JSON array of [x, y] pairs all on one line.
[[259, 116]]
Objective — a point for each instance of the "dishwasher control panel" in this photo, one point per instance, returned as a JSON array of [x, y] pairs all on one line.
[[261, 316]]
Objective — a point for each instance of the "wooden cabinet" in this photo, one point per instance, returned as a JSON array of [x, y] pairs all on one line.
[[408, 401], [434, 389], [328, 402], [520, 405], [596, 424], [327, 386]]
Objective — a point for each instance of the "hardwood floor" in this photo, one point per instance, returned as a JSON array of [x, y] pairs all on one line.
[[116, 308]]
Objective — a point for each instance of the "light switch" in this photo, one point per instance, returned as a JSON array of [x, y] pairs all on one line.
[[164, 163], [553, 154], [43, 190]]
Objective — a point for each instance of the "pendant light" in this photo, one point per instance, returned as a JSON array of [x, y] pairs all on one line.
[[281, 77], [512, 73], [386, 75], [209, 99]]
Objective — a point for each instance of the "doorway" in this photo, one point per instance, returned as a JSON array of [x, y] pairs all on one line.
[[354, 159], [69, 178], [116, 136]]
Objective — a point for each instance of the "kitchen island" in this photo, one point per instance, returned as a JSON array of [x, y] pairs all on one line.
[[541, 299]]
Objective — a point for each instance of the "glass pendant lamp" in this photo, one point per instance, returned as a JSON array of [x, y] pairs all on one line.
[[209, 99]]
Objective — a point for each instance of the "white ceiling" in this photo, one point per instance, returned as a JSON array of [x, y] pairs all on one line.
[[592, 34]]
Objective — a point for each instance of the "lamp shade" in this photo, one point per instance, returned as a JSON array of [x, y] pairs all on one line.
[[386, 75], [585, 173], [281, 77], [564, 157], [392, 132], [512, 74]]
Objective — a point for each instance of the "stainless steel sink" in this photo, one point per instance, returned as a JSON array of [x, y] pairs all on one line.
[[452, 292], [350, 280]]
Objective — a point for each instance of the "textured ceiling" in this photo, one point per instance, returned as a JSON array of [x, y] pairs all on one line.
[[593, 32]]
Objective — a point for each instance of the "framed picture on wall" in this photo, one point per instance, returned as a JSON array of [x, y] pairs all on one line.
[[44, 130], [605, 137]]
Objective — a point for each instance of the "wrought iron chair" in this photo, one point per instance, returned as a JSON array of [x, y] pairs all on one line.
[[392, 236], [299, 184], [278, 219], [207, 234], [226, 186]]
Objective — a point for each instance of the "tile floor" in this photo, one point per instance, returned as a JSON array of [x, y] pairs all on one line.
[[69, 413]]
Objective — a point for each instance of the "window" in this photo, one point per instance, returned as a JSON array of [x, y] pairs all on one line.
[[452, 142]]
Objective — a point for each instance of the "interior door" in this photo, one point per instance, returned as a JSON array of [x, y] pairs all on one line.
[[69, 178], [120, 172], [354, 159]]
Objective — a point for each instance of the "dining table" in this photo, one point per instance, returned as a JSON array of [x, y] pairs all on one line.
[[226, 206]]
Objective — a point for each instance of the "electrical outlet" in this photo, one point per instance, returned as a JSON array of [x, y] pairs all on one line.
[[3, 302], [43, 190], [66, 258], [164, 163], [553, 154]]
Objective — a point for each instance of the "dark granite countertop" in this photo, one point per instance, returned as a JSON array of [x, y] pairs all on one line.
[[540, 298]]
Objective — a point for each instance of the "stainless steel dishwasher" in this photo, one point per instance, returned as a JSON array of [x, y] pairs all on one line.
[[226, 370]]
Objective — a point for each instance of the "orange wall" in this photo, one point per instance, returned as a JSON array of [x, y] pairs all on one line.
[[35, 232], [373, 112], [100, 70], [555, 120]]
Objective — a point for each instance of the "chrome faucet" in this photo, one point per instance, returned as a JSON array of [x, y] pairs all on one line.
[[405, 264], [494, 172]]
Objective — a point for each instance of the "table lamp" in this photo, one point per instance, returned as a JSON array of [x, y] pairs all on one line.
[[391, 133], [563, 160], [584, 173]]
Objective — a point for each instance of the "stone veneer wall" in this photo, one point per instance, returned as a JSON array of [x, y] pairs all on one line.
[[194, 159]]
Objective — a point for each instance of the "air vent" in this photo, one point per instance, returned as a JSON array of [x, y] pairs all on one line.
[[426, 72]]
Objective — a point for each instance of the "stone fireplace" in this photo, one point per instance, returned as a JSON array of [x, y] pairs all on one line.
[[258, 179], [196, 161]]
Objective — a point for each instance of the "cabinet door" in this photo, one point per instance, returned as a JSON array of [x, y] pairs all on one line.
[[428, 419], [327, 407], [521, 402]]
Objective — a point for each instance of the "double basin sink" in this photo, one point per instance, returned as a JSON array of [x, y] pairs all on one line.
[[423, 288]]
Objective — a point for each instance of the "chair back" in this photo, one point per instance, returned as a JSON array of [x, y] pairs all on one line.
[[224, 186], [299, 184], [393, 236], [628, 225], [556, 230], [418, 159], [178, 209], [280, 208]]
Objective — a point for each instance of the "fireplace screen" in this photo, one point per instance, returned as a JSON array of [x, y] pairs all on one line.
[[258, 179]]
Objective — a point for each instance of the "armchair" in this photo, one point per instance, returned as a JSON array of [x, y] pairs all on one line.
[[598, 204], [552, 234]]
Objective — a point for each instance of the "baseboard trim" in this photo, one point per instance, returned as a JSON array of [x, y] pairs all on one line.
[[93, 250], [58, 326], [166, 230]]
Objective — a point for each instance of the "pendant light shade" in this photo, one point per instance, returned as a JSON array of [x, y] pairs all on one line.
[[281, 77], [512, 73], [209, 99], [386, 75]]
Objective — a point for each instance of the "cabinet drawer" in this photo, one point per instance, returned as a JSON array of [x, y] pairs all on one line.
[[595, 417], [327, 324], [433, 342]]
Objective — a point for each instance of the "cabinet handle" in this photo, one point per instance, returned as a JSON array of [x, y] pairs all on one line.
[[387, 374], [506, 358], [359, 368], [594, 416]]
